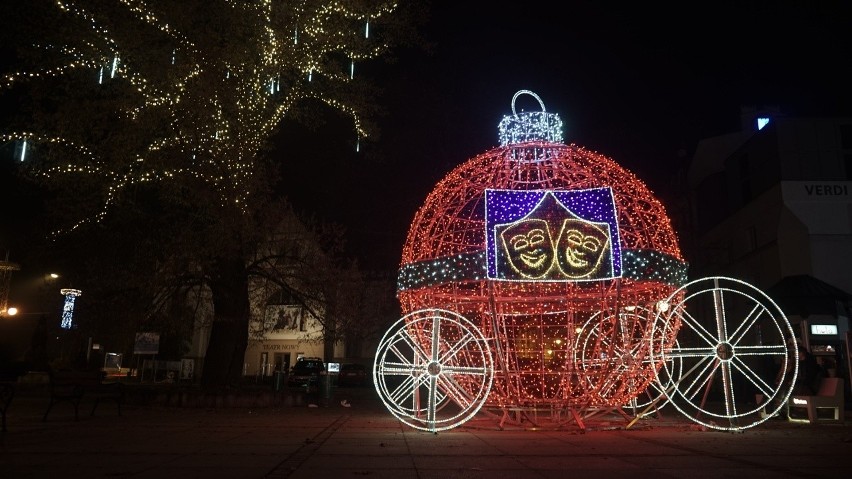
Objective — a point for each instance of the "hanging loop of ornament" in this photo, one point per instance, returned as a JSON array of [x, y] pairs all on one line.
[[530, 93], [529, 126]]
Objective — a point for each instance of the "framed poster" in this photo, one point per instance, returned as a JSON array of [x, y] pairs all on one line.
[[147, 343], [112, 361], [284, 321], [187, 368]]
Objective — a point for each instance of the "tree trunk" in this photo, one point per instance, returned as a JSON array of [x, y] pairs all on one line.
[[223, 362], [329, 334], [328, 348]]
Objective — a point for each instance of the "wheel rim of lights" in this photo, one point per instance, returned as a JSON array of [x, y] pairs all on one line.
[[726, 330], [622, 343], [433, 369]]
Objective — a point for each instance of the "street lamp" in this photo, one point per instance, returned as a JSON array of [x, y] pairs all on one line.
[[6, 268]]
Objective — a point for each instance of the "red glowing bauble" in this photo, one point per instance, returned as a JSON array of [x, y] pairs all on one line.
[[565, 331]]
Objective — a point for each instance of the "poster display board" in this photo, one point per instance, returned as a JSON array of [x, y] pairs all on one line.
[[147, 343]]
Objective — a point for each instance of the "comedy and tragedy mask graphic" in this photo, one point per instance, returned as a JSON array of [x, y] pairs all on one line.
[[552, 243], [581, 249]]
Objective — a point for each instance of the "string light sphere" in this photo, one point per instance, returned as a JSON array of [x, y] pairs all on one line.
[[549, 249]]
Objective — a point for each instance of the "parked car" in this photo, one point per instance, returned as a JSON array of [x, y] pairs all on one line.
[[352, 374], [304, 371]]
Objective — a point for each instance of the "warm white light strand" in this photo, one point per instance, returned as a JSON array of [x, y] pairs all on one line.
[[220, 135]]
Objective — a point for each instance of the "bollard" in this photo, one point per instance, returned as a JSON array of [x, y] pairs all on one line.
[[325, 388], [278, 380]]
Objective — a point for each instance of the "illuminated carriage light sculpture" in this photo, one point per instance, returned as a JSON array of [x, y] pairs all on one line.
[[542, 277]]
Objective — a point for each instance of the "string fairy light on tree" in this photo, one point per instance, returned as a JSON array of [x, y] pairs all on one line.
[[189, 90]]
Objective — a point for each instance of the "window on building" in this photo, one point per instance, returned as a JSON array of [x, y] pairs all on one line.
[[745, 178], [743, 165], [846, 137], [750, 239], [745, 190]]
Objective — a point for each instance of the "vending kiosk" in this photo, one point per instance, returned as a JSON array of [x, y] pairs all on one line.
[[825, 338]]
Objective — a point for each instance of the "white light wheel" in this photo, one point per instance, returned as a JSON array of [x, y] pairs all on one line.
[[433, 369], [735, 344], [617, 346], [655, 396]]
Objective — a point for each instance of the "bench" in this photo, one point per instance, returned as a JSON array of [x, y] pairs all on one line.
[[72, 386], [829, 398]]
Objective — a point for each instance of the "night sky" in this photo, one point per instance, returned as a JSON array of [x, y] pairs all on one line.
[[640, 85]]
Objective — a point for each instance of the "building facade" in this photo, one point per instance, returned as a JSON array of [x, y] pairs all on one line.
[[282, 326], [772, 205]]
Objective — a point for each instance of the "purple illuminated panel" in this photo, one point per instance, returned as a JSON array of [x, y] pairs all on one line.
[[551, 235]]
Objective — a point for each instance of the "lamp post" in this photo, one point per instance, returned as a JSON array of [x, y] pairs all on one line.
[[26, 327], [6, 269]]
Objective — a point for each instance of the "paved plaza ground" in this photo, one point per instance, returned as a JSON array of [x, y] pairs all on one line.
[[290, 440]]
